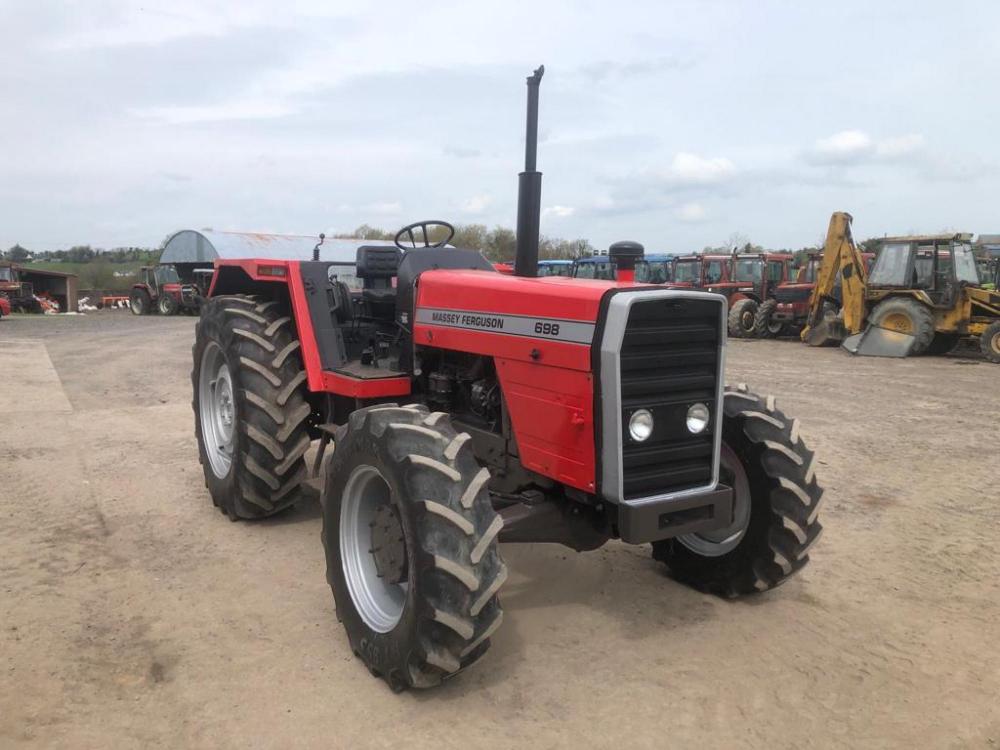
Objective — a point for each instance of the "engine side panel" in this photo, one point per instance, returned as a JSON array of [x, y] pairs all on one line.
[[552, 412], [540, 333]]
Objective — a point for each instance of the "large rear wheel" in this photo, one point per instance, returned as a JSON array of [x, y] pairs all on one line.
[[411, 545], [776, 502], [906, 315], [139, 302], [249, 406]]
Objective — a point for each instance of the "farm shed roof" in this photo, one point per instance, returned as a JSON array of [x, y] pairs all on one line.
[[207, 245]]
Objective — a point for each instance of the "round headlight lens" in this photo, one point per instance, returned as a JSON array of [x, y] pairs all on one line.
[[697, 418], [640, 425]]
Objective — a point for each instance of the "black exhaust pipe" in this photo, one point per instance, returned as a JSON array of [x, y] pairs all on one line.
[[529, 189]]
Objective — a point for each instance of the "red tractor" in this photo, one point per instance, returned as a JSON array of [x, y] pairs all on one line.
[[747, 280], [161, 289], [4, 307], [466, 407]]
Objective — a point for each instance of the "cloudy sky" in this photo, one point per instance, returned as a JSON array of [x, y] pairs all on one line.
[[674, 123]]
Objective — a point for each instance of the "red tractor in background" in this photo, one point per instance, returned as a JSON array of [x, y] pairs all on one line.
[[466, 407], [4, 307], [747, 280], [787, 312], [161, 289]]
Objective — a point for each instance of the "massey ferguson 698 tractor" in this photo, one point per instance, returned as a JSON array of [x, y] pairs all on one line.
[[466, 407]]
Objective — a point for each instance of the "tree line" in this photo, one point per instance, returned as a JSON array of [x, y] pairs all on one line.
[[84, 254]]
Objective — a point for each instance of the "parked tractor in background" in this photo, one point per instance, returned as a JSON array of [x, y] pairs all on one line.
[[20, 295], [989, 272], [554, 268], [923, 295], [4, 307], [651, 269], [746, 280], [161, 289], [466, 407]]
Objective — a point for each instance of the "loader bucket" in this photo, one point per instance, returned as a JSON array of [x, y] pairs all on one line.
[[827, 332], [880, 342]]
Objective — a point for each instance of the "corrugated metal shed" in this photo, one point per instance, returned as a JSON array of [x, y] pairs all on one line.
[[207, 245]]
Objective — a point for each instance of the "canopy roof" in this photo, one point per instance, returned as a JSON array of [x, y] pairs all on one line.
[[207, 245]]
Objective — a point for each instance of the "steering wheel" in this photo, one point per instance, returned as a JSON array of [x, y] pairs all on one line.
[[424, 227]]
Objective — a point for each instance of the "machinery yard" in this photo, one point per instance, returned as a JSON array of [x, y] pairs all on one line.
[[134, 613]]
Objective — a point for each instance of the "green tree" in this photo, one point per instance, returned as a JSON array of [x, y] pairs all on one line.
[[17, 254]]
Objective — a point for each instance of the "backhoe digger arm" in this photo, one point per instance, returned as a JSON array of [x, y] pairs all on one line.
[[841, 258]]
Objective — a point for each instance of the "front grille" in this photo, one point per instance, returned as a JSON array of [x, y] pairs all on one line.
[[795, 294], [669, 360]]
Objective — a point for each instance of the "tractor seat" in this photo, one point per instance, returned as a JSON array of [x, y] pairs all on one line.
[[377, 266]]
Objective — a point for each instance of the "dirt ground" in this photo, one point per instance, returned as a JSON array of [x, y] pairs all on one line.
[[133, 614]]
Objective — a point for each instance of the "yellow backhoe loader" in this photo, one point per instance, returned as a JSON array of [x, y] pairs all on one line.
[[922, 296]]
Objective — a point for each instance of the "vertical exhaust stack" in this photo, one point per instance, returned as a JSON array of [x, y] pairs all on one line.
[[529, 188]]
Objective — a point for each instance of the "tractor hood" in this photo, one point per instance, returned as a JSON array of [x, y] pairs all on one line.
[[550, 320]]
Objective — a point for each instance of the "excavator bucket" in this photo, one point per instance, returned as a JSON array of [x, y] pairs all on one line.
[[827, 332], [880, 342]]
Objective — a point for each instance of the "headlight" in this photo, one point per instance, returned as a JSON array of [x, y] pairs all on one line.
[[640, 425], [697, 418]]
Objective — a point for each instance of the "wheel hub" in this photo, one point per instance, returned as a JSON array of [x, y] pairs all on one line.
[[721, 541], [217, 410], [898, 322], [376, 580], [388, 547]]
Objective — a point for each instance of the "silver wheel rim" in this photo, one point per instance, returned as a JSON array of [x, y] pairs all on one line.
[[379, 603], [217, 409], [137, 304], [719, 542], [164, 309], [774, 326]]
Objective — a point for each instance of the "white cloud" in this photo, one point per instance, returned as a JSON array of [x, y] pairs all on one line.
[[856, 146], [691, 213], [846, 145], [691, 169], [476, 204], [559, 212], [232, 110], [900, 145]]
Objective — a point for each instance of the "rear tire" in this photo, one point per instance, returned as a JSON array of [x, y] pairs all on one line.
[[763, 326], [989, 342], [741, 318], [906, 316], [418, 622], [250, 410], [772, 544], [139, 302]]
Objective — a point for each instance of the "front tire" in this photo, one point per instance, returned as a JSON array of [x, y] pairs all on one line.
[[906, 315], [763, 326], [166, 304], [989, 342], [776, 506], [741, 318], [249, 406], [411, 545]]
